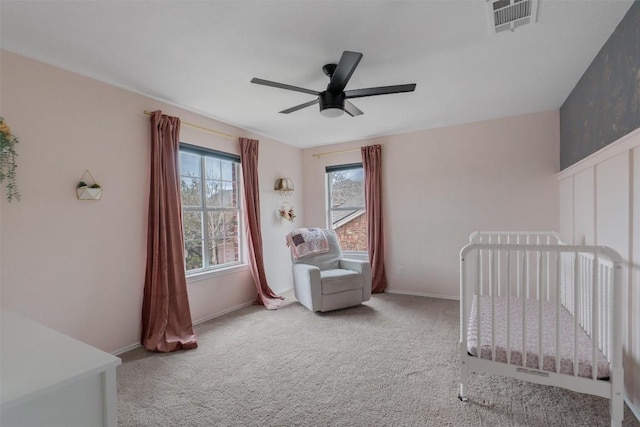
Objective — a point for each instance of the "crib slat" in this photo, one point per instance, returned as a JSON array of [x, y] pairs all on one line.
[[601, 312], [525, 268], [581, 287], [478, 290], [527, 275], [492, 284], [499, 268], [558, 291], [540, 299], [584, 293], [576, 292], [517, 269], [508, 280], [549, 242], [614, 295], [594, 317], [480, 272]]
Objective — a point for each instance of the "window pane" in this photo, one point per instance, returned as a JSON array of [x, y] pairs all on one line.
[[192, 229], [231, 226], [347, 188], [228, 195], [193, 253], [339, 218], [190, 191], [223, 237], [215, 225], [222, 252], [231, 249], [213, 167], [192, 225], [352, 230], [214, 195], [227, 170], [189, 164], [215, 233]]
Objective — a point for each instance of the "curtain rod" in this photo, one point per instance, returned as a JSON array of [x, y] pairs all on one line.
[[225, 135], [349, 150]]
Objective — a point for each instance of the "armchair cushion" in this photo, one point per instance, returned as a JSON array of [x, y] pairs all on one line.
[[340, 280]]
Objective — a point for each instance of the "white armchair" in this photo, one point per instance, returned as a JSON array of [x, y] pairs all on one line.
[[326, 281]]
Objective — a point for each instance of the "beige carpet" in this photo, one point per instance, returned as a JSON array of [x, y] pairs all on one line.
[[389, 362]]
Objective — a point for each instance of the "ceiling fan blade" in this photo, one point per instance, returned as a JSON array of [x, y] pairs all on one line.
[[299, 107], [341, 75], [351, 109], [382, 90], [283, 86]]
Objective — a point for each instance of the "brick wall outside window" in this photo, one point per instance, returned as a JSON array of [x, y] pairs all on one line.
[[353, 234]]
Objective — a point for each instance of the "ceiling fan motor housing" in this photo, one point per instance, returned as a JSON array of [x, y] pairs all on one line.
[[330, 100]]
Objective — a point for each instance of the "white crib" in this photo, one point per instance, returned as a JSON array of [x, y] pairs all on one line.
[[536, 309]]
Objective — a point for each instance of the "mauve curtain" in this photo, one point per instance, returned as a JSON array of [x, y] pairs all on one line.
[[372, 164], [166, 318], [249, 159]]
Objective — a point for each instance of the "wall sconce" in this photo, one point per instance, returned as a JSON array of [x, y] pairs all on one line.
[[284, 186]]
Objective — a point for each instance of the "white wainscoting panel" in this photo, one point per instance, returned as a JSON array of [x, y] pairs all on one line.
[[584, 212], [600, 204], [565, 188]]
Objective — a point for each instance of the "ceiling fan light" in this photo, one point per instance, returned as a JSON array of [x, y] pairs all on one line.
[[331, 104], [331, 112]]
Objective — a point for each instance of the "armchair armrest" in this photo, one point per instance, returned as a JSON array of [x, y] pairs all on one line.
[[307, 286], [362, 267]]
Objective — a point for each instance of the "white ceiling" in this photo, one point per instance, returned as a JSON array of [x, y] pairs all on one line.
[[201, 55]]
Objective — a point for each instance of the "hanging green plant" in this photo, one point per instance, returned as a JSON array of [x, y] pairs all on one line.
[[8, 160]]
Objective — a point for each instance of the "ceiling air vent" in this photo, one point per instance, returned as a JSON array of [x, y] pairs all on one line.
[[510, 14]]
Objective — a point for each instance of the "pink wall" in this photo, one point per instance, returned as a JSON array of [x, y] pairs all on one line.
[[78, 266], [442, 184]]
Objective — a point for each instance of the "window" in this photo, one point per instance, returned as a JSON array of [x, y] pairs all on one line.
[[346, 214], [211, 216]]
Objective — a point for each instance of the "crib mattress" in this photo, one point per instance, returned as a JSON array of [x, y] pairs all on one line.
[[532, 330]]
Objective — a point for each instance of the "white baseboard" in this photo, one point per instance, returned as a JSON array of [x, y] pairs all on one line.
[[197, 322], [223, 312], [420, 294], [282, 291], [634, 409], [125, 349]]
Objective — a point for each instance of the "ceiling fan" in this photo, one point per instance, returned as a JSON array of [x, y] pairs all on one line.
[[335, 100]]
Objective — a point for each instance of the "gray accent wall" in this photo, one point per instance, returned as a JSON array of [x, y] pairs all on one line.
[[605, 104]]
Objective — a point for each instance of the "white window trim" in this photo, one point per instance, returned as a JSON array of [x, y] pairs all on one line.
[[211, 274], [362, 255]]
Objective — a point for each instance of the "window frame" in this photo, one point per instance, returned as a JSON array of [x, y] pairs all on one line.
[[208, 270], [330, 210]]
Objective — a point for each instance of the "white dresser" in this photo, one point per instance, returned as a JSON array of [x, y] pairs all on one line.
[[49, 379]]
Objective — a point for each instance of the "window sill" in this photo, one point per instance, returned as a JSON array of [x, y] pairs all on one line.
[[206, 275], [364, 256]]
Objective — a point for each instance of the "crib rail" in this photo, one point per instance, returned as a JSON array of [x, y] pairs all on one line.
[[533, 271], [516, 237]]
